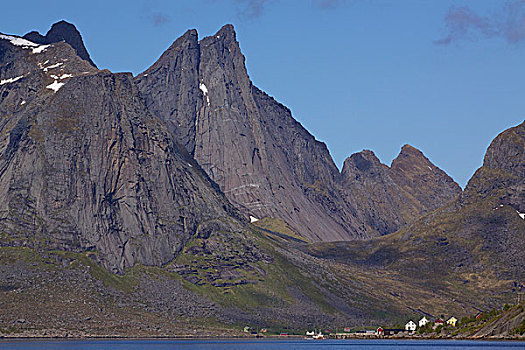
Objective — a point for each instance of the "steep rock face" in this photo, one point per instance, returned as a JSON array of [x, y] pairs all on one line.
[[84, 166], [265, 162], [390, 197], [62, 31]]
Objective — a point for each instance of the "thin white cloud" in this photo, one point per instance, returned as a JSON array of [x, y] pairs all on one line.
[[507, 22]]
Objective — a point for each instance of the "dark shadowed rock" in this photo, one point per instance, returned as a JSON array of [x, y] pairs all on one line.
[[62, 31]]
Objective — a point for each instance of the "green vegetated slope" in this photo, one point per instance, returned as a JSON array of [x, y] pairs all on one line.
[[217, 285], [223, 282], [471, 250]]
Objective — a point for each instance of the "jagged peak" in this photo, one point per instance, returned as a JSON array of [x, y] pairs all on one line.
[[227, 30], [367, 154], [62, 25], [62, 31], [411, 163], [224, 35], [410, 154], [190, 36], [409, 149], [506, 151], [361, 161], [189, 39]]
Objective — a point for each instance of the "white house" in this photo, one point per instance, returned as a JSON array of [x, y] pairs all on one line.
[[410, 326], [423, 321]]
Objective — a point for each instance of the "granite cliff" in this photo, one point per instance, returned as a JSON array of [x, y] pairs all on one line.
[[264, 161], [84, 166]]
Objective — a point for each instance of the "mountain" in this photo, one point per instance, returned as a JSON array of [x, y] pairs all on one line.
[[84, 166], [108, 226], [264, 161], [473, 246], [124, 205], [62, 31], [391, 197]]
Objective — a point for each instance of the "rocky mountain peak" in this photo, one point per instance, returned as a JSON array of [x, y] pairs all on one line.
[[390, 197], [62, 31], [227, 30], [224, 47], [417, 175], [502, 175], [410, 160], [361, 162], [226, 34], [189, 38], [506, 151], [264, 161], [79, 150]]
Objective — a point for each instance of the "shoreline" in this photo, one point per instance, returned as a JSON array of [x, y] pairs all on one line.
[[252, 338]]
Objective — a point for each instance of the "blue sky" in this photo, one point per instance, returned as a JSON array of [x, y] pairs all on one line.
[[444, 76]]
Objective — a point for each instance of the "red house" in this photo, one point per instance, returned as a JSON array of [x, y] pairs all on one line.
[[380, 331]]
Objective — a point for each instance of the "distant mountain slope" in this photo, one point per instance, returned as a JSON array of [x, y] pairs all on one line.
[[476, 242], [391, 197], [265, 162]]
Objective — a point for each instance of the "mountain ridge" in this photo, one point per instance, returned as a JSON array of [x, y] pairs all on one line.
[[278, 169]]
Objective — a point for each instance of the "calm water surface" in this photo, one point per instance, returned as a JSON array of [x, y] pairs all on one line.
[[259, 344]]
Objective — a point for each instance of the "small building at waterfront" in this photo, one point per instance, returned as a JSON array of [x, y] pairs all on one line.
[[452, 321], [422, 322], [410, 326]]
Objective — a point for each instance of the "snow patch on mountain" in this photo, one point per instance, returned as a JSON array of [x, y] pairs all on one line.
[[55, 86], [40, 49], [25, 44], [204, 90], [10, 80]]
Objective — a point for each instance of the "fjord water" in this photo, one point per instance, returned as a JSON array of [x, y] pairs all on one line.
[[259, 344]]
